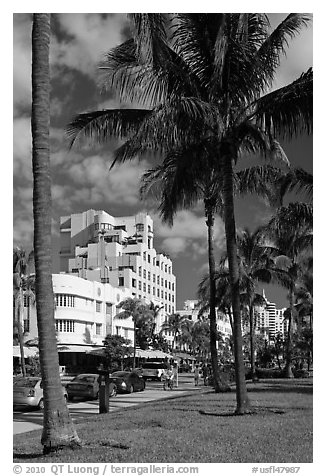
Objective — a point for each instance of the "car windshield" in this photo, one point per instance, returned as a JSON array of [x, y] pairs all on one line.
[[84, 378], [25, 382], [120, 374]]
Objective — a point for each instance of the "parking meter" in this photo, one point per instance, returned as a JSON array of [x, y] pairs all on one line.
[[104, 391]]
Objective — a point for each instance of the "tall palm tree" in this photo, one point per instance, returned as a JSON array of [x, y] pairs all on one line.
[[204, 77], [141, 314], [58, 428]]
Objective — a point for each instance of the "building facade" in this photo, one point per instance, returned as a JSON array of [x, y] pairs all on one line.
[[118, 251], [270, 320], [84, 312]]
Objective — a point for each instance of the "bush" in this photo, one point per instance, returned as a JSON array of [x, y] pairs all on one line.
[[266, 373], [301, 373]]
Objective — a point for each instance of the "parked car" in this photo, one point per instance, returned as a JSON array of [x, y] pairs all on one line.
[[28, 392], [153, 370], [83, 386], [127, 382]]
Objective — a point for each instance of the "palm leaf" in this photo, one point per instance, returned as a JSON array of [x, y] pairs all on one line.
[[287, 111]]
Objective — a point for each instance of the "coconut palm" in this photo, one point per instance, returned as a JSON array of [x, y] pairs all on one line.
[[304, 292], [204, 77], [142, 316], [174, 324], [58, 428], [290, 232]]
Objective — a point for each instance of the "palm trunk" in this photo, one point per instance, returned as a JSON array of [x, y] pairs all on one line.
[[58, 428], [218, 384], [20, 323], [252, 343], [243, 405], [288, 365], [134, 356]]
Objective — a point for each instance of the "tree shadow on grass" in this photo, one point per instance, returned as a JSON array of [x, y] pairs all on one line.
[[27, 455], [287, 388]]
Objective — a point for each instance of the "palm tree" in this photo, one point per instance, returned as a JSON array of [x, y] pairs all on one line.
[[174, 324], [141, 315], [290, 232], [204, 78], [58, 429]]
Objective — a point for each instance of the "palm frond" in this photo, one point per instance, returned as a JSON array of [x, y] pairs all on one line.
[[275, 44], [287, 112], [100, 126]]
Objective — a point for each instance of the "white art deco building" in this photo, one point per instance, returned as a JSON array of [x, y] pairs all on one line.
[[104, 260]]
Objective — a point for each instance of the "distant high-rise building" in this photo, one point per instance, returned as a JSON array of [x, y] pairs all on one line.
[[270, 320]]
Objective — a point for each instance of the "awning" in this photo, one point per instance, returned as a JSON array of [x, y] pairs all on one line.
[[28, 352], [152, 354], [81, 349]]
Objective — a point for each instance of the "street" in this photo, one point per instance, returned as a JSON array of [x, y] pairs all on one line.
[[27, 420]]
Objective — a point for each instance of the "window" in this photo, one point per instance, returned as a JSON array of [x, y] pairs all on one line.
[[169, 297], [148, 244], [149, 258], [157, 263], [166, 283], [148, 289], [149, 275], [162, 281], [144, 288], [98, 306], [98, 329], [165, 307], [139, 270], [108, 308], [169, 309], [134, 282], [144, 273], [121, 281], [169, 269], [172, 298], [169, 285], [97, 226], [140, 227], [154, 291], [64, 300], [172, 286], [158, 293], [158, 280], [162, 294], [26, 301], [154, 278], [166, 296], [166, 268], [139, 286], [26, 325], [144, 255], [64, 325]]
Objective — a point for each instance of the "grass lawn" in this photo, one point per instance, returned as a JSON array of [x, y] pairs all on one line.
[[173, 431]]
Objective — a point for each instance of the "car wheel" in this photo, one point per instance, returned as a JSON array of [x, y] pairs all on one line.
[[113, 391], [70, 398], [41, 404], [131, 389]]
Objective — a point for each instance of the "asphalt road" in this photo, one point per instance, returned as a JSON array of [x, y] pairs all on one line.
[[29, 420]]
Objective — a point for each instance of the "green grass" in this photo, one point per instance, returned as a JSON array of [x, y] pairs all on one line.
[[279, 430]]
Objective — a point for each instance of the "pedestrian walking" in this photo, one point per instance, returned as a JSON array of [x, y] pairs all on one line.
[[196, 375], [205, 374]]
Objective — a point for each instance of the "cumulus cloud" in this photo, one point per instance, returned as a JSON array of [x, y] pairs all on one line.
[[90, 36], [188, 235]]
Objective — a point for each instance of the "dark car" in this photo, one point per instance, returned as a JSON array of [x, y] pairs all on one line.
[[83, 386], [127, 382]]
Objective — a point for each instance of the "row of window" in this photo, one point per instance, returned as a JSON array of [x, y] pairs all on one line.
[[68, 325], [156, 279]]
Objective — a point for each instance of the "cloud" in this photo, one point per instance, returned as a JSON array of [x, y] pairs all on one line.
[[22, 59], [90, 36], [188, 235], [22, 148]]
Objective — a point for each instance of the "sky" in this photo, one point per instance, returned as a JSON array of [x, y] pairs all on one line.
[[81, 178]]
